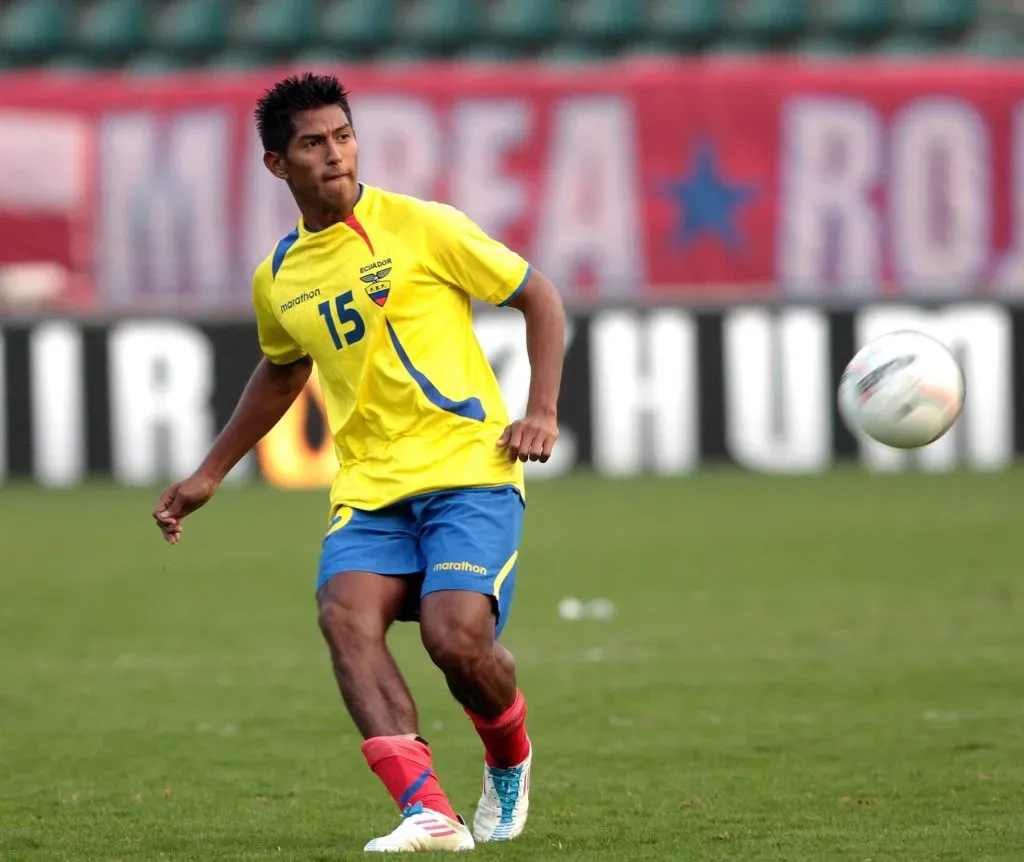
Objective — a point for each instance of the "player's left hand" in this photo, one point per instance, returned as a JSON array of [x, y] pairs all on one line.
[[531, 438]]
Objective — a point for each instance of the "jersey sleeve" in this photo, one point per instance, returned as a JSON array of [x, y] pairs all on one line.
[[275, 342], [467, 258]]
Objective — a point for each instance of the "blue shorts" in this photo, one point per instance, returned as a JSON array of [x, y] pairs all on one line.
[[459, 539]]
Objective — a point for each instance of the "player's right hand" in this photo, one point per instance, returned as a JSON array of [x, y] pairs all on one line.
[[179, 500]]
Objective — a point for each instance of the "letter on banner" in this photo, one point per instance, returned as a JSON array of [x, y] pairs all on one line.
[[268, 214], [643, 380], [1009, 279], [830, 166], [56, 184], [503, 339], [588, 218], [939, 190], [3, 409], [161, 380], [400, 144], [980, 336], [287, 457], [778, 404], [57, 398], [163, 209], [485, 131]]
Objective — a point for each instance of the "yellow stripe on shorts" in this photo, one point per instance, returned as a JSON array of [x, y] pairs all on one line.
[[509, 564], [339, 519]]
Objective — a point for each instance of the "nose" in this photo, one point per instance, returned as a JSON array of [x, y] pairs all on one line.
[[333, 152]]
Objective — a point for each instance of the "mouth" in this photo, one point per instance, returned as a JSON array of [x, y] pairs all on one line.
[[333, 177]]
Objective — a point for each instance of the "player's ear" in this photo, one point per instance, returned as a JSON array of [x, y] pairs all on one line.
[[276, 165]]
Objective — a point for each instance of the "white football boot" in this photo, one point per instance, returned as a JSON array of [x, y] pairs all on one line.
[[422, 830], [501, 811]]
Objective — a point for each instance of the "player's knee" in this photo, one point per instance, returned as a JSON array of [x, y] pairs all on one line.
[[346, 629], [457, 647]]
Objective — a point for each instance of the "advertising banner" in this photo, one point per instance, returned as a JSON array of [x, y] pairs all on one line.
[[662, 390], [651, 182]]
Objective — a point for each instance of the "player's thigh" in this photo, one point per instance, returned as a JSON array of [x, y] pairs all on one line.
[[357, 607], [469, 539], [370, 566]]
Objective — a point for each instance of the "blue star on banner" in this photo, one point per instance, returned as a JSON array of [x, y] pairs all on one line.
[[706, 202]]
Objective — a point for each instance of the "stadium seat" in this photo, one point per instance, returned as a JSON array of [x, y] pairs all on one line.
[[73, 62], [525, 22], [606, 21], [823, 48], [939, 17], [771, 21], [856, 19], [33, 28], [362, 26], [905, 45], [236, 61], [571, 53], [992, 42], [320, 57], [442, 24], [276, 26], [686, 20], [155, 62], [489, 53], [192, 26], [644, 49], [734, 47], [404, 54], [110, 28]]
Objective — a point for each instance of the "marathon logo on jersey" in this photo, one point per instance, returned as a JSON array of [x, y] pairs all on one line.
[[374, 275], [305, 296], [460, 567]]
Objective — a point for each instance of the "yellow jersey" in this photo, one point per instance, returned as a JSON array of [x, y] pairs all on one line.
[[382, 304]]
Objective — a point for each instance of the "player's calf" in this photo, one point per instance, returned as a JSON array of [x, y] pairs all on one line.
[[355, 611]]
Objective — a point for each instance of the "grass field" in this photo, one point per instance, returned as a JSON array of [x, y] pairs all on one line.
[[798, 669]]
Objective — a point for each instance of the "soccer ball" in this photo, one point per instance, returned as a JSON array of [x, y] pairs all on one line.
[[904, 389]]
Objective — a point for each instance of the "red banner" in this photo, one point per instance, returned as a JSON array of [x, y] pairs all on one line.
[[710, 181]]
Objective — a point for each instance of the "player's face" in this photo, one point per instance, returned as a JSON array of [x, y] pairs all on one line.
[[321, 160]]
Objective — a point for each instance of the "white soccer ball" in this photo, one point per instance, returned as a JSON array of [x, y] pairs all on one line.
[[904, 389]]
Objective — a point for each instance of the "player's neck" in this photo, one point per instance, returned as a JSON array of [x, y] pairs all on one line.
[[316, 216]]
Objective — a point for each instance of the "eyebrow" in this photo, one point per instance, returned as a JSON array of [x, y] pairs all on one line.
[[312, 136]]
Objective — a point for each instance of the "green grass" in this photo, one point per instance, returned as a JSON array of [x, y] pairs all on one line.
[[798, 669]]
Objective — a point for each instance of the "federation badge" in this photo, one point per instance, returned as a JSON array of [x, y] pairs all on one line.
[[377, 288]]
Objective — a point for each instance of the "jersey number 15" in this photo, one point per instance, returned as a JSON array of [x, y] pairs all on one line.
[[345, 315]]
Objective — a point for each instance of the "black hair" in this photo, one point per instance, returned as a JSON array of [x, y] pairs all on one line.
[[277, 106]]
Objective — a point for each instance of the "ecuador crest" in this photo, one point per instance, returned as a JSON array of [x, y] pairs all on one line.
[[377, 286]]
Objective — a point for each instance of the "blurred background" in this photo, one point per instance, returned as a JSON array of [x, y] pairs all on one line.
[[731, 194], [741, 633]]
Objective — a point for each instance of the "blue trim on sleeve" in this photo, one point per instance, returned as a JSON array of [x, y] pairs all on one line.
[[471, 408], [282, 250], [522, 284]]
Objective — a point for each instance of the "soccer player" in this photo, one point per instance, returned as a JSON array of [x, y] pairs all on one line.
[[374, 289]]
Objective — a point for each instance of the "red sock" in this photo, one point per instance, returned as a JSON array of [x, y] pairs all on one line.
[[504, 737], [405, 767]]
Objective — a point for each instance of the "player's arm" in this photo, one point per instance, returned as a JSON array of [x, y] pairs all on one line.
[[467, 257], [272, 388], [534, 436]]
